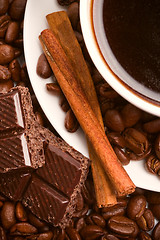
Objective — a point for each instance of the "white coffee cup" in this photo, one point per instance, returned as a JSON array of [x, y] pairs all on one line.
[[91, 17]]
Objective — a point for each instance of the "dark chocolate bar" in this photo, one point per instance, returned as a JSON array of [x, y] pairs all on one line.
[[50, 191], [48, 188], [20, 142]]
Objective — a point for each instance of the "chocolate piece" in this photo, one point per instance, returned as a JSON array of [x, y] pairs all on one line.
[[61, 170], [14, 183], [11, 116], [51, 187], [20, 142], [51, 194], [45, 201]]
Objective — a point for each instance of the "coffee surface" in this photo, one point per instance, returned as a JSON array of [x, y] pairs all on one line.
[[133, 33]]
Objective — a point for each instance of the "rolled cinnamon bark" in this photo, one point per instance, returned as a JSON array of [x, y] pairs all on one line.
[[60, 25], [74, 93]]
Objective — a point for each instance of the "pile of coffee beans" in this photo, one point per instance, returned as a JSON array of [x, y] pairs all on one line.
[[135, 216]]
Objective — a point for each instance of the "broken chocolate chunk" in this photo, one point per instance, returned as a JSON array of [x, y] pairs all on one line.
[[36, 167], [20, 142], [13, 184], [61, 170]]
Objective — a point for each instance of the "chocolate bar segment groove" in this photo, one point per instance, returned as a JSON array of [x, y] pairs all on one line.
[[20, 142], [60, 173], [45, 200]]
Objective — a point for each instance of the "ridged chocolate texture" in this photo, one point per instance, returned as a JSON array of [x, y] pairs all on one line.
[[14, 183], [61, 170], [14, 151], [11, 116], [44, 201], [50, 189]]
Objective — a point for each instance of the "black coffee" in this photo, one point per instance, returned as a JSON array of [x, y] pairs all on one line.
[[133, 32]]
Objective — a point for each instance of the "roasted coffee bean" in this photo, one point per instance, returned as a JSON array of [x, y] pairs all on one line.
[[80, 223], [122, 155], [5, 74], [73, 14], [131, 115], [116, 138], [113, 120], [71, 123], [104, 90], [153, 164], [64, 103], [15, 70], [43, 68], [23, 228], [156, 232], [4, 4], [136, 140], [117, 210], [106, 105], [16, 9], [139, 191], [12, 32], [136, 157], [152, 197], [81, 213], [108, 212], [55, 88], [8, 215], [18, 43], [157, 146], [17, 52], [155, 208], [80, 202], [123, 227], [72, 233], [88, 192], [6, 86], [144, 236], [7, 54], [2, 234], [97, 219], [109, 237], [152, 126], [136, 207], [4, 21], [20, 212], [35, 221], [41, 236], [91, 232], [146, 221]]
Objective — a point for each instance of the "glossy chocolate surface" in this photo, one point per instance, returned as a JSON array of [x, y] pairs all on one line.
[[14, 151]]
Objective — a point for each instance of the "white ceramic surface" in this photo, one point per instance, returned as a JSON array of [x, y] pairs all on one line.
[[94, 35], [34, 23]]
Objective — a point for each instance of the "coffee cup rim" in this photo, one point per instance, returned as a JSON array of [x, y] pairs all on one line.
[[139, 100]]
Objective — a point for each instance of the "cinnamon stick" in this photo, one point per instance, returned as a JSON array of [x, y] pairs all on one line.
[[61, 27], [74, 93]]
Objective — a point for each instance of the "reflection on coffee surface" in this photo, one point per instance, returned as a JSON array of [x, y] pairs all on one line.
[[133, 32]]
